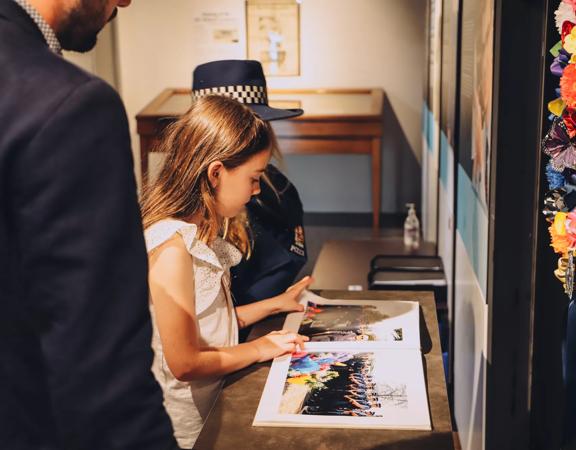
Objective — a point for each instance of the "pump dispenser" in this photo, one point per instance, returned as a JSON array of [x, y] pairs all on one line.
[[411, 228]]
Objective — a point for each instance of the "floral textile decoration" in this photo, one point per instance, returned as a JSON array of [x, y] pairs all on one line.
[[559, 145]]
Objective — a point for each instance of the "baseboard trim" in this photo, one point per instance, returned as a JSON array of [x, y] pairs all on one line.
[[387, 220]]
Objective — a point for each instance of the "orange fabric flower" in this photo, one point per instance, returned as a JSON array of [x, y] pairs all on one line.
[[560, 240], [568, 85], [570, 227]]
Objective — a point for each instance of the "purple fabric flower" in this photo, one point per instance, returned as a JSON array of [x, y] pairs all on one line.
[[559, 63]]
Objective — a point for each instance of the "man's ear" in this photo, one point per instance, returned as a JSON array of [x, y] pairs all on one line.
[[215, 173]]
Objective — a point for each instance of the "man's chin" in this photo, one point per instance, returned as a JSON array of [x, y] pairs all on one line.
[[84, 48], [83, 45]]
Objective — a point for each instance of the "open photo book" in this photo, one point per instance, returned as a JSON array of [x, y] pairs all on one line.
[[362, 368]]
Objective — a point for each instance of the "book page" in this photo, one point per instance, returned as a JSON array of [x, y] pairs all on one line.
[[357, 323], [330, 387]]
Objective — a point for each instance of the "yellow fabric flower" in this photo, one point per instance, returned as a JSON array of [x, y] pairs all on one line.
[[570, 41], [559, 223], [556, 106]]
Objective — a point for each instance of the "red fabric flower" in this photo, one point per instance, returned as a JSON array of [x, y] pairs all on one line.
[[566, 29], [569, 118], [568, 85]]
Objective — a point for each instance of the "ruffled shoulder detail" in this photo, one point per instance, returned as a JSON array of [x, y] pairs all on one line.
[[161, 231], [210, 263]]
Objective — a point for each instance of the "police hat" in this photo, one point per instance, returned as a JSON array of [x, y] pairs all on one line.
[[242, 80]]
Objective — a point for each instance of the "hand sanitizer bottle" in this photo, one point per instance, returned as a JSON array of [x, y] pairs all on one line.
[[411, 228]]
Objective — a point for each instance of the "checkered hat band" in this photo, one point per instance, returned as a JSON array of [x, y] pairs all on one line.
[[244, 94]]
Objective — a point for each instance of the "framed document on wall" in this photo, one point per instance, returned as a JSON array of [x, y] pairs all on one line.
[[273, 35]]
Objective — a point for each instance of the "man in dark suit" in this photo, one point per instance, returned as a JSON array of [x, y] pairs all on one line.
[[75, 330]]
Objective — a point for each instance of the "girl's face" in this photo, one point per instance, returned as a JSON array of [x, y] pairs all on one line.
[[235, 187]]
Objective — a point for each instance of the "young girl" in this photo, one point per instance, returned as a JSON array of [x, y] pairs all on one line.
[[195, 231]]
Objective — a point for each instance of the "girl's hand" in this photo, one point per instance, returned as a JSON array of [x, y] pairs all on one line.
[[288, 301], [278, 343]]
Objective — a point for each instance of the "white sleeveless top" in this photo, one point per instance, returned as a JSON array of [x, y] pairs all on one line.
[[188, 403]]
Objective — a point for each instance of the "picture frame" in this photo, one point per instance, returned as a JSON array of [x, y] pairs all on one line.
[[273, 35]]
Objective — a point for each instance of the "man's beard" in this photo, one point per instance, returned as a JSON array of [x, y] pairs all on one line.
[[79, 29]]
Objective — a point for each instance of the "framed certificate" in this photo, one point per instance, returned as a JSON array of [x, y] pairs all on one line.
[[273, 35]]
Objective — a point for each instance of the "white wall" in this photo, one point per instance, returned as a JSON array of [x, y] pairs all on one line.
[[344, 43], [470, 344], [101, 60]]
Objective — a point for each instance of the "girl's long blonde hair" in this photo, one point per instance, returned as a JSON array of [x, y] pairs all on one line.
[[215, 128]]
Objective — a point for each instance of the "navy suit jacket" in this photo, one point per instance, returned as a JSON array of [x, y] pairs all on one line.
[[75, 329]]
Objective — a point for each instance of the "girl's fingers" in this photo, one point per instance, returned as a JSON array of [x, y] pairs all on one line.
[[304, 282], [283, 331], [298, 290], [300, 341], [291, 336], [290, 341], [306, 279]]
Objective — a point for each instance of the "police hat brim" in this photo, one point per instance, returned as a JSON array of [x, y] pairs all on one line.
[[266, 112]]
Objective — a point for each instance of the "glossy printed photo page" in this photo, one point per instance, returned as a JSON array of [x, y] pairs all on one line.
[[362, 368]]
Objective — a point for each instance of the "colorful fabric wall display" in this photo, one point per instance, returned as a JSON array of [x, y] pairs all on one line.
[[560, 145]]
